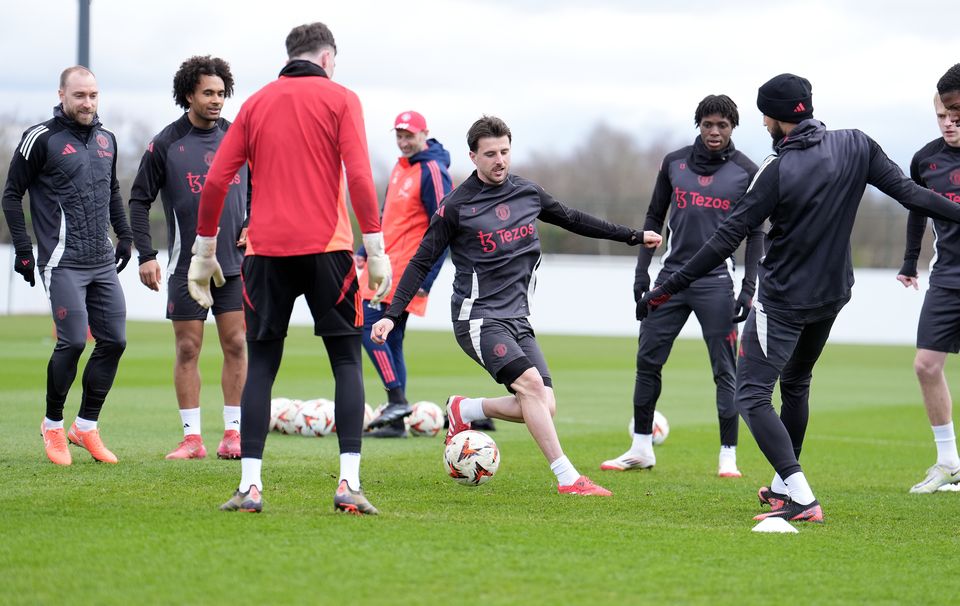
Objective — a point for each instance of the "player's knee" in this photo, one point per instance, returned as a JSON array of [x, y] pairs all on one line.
[[927, 369], [111, 347], [188, 350], [234, 346], [71, 346]]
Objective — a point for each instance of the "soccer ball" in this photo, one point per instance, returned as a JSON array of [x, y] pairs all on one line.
[[471, 458], [330, 411], [368, 415], [661, 429], [314, 419], [425, 420], [287, 415], [276, 406]]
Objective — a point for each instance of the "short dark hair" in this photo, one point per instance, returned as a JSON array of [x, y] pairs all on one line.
[[309, 38], [717, 104], [487, 126], [188, 76], [950, 81], [72, 70]]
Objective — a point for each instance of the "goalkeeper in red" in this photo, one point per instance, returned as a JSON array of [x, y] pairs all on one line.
[[489, 223], [296, 133]]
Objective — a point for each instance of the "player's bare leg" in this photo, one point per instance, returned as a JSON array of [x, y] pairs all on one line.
[[231, 330], [188, 339], [929, 365]]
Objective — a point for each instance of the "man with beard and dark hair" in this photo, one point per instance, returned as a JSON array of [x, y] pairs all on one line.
[[810, 190], [69, 166], [699, 185], [489, 224], [174, 166]]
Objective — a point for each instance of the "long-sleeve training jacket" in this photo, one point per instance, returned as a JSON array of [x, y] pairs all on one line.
[[70, 171]]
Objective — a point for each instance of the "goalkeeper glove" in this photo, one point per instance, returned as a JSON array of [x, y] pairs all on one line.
[[379, 272], [203, 266]]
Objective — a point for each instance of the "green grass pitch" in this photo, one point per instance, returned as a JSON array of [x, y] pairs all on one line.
[[148, 531]]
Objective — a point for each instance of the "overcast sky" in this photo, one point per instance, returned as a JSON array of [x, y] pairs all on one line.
[[552, 69]]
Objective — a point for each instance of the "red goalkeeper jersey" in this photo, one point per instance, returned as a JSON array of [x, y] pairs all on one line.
[[298, 133]]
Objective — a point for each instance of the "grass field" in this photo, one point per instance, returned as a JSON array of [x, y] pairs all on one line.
[[148, 530]]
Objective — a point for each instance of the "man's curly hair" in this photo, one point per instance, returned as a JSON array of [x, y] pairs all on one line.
[[188, 76], [950, 81], [717, 104]]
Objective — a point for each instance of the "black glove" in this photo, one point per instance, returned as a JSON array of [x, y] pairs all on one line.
[[909, 268], [123, 253], [24, 264], [651, 300], [741, 308], [641, 285]]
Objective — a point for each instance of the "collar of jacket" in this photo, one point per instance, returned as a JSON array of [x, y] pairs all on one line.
[[299, 68], [706, 162], [806, 134], [73, 125]]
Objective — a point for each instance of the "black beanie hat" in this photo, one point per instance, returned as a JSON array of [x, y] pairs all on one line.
[[787, 98]]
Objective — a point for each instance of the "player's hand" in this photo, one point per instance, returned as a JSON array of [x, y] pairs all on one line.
[[379, 272], [651, 239], [203, 267], [25, 265], [150, 274], [651, 300], [741, 309], [641, 285], [380, 329], [908, 281], [123, 253], [242, 238]]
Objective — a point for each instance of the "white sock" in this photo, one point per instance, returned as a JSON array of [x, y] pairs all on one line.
[[350, 469], [729, 453], [566, 473], [798, 489], [946, 442], [84, 424], [231, 417], [777, 484], [48, 424], [190, 417], [642, 443], [250, 474], [471, 409]]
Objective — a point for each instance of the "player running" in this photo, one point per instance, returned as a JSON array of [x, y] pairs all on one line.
[[489, 223]]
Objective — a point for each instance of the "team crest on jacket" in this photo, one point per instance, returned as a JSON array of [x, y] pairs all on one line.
[[61, 312], [102, 142], [705, 180], [208, 158], [503, 212], [955, 177]]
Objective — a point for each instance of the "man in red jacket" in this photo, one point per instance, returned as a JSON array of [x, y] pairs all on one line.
[[296, 133]]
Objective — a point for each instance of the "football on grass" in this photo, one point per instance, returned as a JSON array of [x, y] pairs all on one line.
[[471, 458], [661, 429], [426, 420]]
